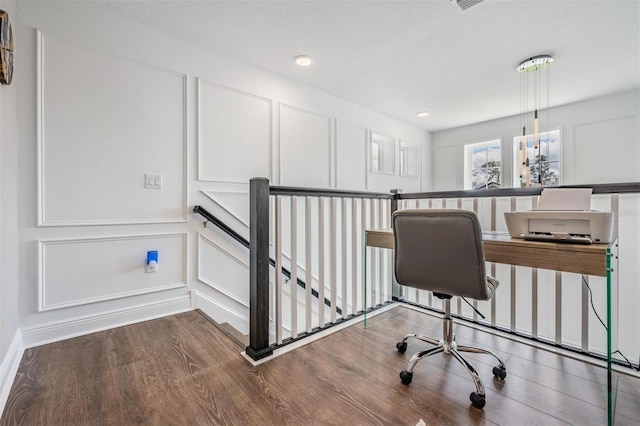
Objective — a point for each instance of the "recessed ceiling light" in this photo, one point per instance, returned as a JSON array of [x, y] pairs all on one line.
[[422, 114], [303, 60]]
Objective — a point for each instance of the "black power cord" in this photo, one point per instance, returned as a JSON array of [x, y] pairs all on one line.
[[617, 351], [474, 308]]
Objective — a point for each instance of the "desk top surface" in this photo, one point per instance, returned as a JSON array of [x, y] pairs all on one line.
[[496, 237], [499, 247]]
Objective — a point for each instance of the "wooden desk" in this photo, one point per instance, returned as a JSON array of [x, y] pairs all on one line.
[[588, 259]]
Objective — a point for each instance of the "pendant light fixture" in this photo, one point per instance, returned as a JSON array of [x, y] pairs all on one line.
[[531, 93]]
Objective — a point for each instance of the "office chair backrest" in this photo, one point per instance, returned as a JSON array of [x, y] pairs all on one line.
[[441, 251]]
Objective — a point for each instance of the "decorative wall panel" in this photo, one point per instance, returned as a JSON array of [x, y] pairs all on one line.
[[305, 148], [234, 134], [222, 270], [594, 142], [351, 154], [446, 177], [80, 271], [236, 204], [105, 124]]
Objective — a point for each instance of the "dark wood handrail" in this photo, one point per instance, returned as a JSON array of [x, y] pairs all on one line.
[[600, 188], [334, 193], [220, 224]]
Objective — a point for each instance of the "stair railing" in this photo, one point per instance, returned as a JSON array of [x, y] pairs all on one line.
[[210, 217], [331, 263], [507, 312]]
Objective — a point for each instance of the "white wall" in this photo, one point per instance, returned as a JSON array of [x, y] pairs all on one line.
[[9, 320], [596, 134], [104, 103]]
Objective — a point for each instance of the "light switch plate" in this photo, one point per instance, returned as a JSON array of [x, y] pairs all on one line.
[[153, 181]]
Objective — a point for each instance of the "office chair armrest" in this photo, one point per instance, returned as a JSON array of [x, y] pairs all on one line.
[[492, 286]]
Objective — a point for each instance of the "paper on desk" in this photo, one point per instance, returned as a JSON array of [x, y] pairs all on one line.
[[565, 199]]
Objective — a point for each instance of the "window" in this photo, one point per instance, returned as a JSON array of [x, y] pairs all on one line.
[[381, 154], [544, 162], [482, 167], [409, 160], [376, 156]]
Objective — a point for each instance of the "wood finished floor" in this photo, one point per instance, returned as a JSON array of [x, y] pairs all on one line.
[[182, 370]]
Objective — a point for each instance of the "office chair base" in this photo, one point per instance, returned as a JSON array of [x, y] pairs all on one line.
[[477, 400], [450, 347], [499, 372], [402, 346], [406, 377]]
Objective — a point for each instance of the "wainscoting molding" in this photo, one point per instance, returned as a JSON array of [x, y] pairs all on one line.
[[243, 263], [216, 196], [128, 266], [129, 202], [9, 367], [447, 178], [238, 126], [300, 130], [351, 156], [592, 137]]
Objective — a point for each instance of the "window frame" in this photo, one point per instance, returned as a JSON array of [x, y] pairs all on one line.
[[382, 154], [468, 162], [409, 160], [516, 181]]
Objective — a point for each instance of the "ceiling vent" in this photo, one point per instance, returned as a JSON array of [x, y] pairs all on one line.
[[466, 4]]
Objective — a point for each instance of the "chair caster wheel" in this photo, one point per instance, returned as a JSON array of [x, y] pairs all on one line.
[[477, 400], [499, 372], [401, 347], [406, 377]]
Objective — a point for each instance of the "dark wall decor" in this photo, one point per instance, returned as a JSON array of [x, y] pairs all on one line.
[[6, 48]]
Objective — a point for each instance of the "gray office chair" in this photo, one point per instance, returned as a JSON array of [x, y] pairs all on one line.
[[441, 251]]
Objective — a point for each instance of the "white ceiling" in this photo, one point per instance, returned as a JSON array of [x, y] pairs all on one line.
[[401, 57]]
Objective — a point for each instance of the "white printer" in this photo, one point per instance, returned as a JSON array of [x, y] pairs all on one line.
[[563, 215]]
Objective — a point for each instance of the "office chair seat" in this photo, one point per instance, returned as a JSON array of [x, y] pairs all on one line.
[[441, 251]]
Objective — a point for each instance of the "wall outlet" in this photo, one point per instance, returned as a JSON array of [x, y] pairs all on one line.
[[153, 181], [152, 261]]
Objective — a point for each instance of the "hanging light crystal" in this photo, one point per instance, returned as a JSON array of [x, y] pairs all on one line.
[[530, 93]]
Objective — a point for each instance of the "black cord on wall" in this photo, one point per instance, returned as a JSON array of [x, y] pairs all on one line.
[[617, 351]]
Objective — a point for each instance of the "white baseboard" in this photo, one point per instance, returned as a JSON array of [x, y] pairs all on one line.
[[220, 313], [66, 329], [9, 368]]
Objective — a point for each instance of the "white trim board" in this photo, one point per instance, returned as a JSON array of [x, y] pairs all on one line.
[[79, 326], [216, 311], [9, 368]]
